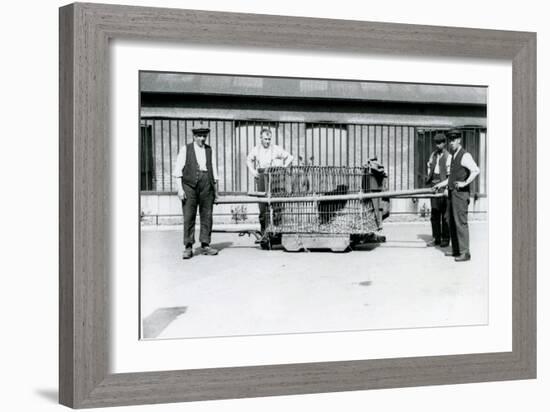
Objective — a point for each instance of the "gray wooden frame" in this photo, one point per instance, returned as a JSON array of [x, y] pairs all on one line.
[[85, 30]]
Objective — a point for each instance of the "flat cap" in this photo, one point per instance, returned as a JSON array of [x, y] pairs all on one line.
[[440, 138], [454, 133], [201, 131]]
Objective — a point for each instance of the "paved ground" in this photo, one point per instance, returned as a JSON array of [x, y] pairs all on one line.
[[248, 291]]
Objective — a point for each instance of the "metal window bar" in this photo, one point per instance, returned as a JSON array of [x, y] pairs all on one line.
[[397, 146]]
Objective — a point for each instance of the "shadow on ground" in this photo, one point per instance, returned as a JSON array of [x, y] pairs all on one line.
[[425, 238], [429, 238], [366, 247], [221, 245]]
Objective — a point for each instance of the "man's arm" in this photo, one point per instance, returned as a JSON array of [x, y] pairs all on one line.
[[181, 193], [215, 175], [448, 165], [177, 173], [429, 164], [286, 156], [441, 184], [214, 166], [469, 163], [444, 183], [429, 169], [216, 194], [250, 162]]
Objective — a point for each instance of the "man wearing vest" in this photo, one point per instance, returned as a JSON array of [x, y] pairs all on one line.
[[463, 172], [438, 169], [197, 177]]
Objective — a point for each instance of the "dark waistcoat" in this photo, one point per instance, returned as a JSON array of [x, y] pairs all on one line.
[[190, 172], [458, 172], [442, 166]]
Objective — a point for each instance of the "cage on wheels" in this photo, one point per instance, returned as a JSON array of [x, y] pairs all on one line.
[[321, 207]]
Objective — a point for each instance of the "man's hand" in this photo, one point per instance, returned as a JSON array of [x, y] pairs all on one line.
[[181, 194], [460, 185], [437, 187], [254, 173], [216, 198]]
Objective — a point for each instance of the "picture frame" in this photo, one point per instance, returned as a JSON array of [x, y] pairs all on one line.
[[85, 32]]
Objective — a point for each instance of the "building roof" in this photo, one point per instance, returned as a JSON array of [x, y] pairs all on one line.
[[177, 83]]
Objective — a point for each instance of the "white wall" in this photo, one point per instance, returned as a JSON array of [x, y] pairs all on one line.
[[29, 254]]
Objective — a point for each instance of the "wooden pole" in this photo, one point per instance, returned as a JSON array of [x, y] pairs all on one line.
[[321, 198]]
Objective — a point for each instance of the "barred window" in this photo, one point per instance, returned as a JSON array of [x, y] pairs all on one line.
[[324, 145]]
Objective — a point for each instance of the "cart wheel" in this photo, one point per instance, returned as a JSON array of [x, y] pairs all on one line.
[[265, 243]]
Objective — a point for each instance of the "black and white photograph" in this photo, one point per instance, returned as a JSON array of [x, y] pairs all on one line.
[[278, 205]]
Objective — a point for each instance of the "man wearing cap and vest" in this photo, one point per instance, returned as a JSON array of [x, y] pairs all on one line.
[[262, 156], [439, 166], [197, 177], [463, 172]]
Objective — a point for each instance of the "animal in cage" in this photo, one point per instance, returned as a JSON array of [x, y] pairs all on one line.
[[321, 206], [328, 209], [301, 180]]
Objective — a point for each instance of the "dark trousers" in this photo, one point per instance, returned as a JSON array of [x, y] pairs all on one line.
[[264, 216], [263, 208], [440, 223], [458, 221], [202, 197]]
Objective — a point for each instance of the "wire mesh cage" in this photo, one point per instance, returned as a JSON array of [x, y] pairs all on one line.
[[330, 216]]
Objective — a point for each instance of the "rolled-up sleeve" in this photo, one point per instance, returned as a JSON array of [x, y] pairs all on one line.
[[469, 163], [251, 158], [180, 162]]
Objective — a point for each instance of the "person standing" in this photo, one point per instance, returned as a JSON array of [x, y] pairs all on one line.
[[463, 172], [262, 156], [439, 166], [197, 177]]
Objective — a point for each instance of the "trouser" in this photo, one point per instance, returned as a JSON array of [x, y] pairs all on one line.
[[440, 223], [264, 209], [458, 221], [200, 196]]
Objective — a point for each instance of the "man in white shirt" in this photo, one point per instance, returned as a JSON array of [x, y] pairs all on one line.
[[262, 156], [439, 166], [266, 154], [463, 172], [197, 178]]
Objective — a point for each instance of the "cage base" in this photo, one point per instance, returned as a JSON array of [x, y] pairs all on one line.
[[297, 242]]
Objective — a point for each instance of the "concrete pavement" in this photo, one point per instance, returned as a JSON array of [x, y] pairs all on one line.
[[248, 291]]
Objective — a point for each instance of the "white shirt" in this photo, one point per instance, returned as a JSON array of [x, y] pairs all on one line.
[[260, 157], [467, 161], [200, 154], [436, 162]]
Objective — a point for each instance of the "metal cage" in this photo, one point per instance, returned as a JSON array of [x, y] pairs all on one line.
[[335, 215]]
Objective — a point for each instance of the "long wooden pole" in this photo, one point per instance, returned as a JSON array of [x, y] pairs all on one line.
[[321, 198]]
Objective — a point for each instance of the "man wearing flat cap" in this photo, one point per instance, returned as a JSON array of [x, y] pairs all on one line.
[[463, 172], [439, 165], [197, 177]]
